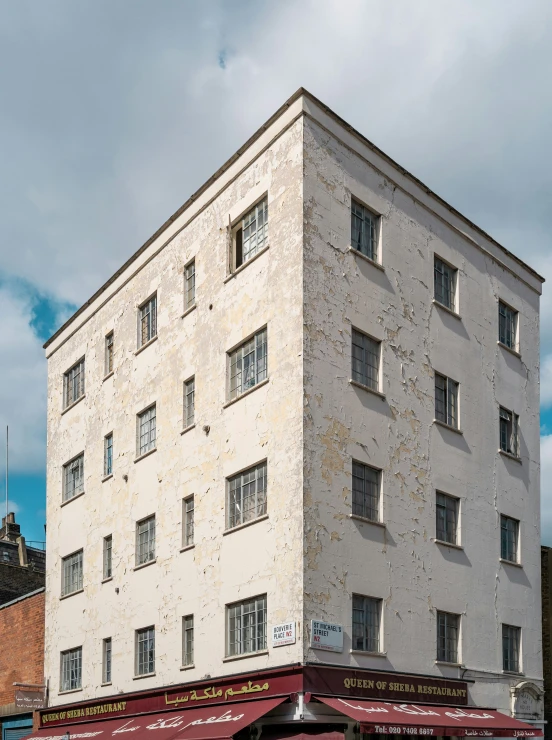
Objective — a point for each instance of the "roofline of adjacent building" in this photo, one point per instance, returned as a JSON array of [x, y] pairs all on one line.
[[301, 92], [22, 598]]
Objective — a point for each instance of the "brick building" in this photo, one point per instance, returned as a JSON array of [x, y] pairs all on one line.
[[22, 568]]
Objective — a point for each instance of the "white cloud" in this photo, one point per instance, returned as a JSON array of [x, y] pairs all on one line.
[[546, 381]]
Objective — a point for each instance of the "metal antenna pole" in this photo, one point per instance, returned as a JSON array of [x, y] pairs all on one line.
[[7, 438]]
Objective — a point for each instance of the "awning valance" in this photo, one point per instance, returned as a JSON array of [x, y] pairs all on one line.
[[389, 718]]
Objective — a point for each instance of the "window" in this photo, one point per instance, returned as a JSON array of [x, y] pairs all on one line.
[[107, 557], [71, 670], [507, 325], [188, 533], [108, 455], [447, 637], [109, 353], [509, 533], [364, 230], [106, 660], [246, 632], [73, 384], [145, 540], [510, 648], [71, 573], [366, 623], [446, 400], [147, 321], [445, 284], [509, 432], [247, 496], [73, 478], [188, 640], [146, 431], [447, 518], [189, 403], [189, 285], [248, 364], [251, 233], [366, 491], [145, 651], [365, 360]]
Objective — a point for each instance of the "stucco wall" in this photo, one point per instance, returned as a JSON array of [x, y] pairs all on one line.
[[400, 563]]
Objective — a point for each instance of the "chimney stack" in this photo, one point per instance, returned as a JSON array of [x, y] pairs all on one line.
[[10, 531]]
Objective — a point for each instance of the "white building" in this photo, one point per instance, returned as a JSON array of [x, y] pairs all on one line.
[[313, 394]]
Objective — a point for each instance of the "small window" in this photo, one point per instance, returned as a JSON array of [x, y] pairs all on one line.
[[71, 573], [145, 651], [188, 640], [145, 540], [445, 284], [73, 384], [108, 454], [448, 627], [511, 638], [106, 661], [365, 360], [509, 432], [366, 623], [71, 670], [189, 285], [188, 533], [507, 325], [108, 557], [447, 518], [248, 364], [366, 491], [189, 403], [364, 231], [147, 321], [509, 534], [446, 400], [73, 478], [250, 235], [109, 353], [247, 496], [246, 630], [146, 428]]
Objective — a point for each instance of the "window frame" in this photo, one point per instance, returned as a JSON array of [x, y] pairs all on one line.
[[512, 540], [190, 285], [189, 418], [365, 494], [514, 330], [373, 643], [238, 227], [108, 455], [188, 521], [452, 288], [107, 557], [456, 509], [65, 562], [259, 638], [363, 377], [81, 383], [188, 641], [62, 655], [451, 410], [64, 497], [445, 656], [260, 506], [107, 655], [517, 654], [109, 353], [512, 432], [151, 661], [373, 251], [149, 546], [259, 362], [149, 447], [152, 331]]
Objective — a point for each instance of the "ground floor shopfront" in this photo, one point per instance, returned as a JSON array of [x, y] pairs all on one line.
[[324, 702]]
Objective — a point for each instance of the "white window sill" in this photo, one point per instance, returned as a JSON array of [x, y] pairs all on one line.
[[145, 565], [68, 408], [186, 667], [511, 562], [369, 653], [448, 544], [106, 580], [243, 656], [189, 310], [106, 377], [511, 350], [448, 426], [446, 662], [109, 683], [246, 264], [510, 456], [145, 454], [143, 675], [513, 673], [69, 691], [366, 258], [147, 344], [107, 477], [367, 388], [447, 309], [365, 519], [69, 500], [188, 429], [245, 524], [187, 547], [246, 393], [73, 593]]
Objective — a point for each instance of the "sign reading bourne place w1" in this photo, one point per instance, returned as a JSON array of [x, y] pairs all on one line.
[[325, 636]]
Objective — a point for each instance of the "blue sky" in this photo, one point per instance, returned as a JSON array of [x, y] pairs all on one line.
[[112, 114]]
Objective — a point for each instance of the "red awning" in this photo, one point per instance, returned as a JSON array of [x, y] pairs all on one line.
[[388, 718], [204, 723]]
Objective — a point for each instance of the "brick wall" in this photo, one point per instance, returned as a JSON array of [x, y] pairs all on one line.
[[22, 645], [546, 584], [17, 580]]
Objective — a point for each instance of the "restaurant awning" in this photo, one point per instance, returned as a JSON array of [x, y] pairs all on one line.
[[206, 723], [380, 717]]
